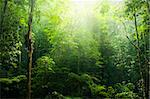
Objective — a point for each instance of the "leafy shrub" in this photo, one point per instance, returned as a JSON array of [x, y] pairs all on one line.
[[126, 95], [110, 91], [55, 95], [41, 73], [123, 87], [13, 87], [125, 91], [74, 84], [83, 85], [16, 79], [98, 91], [44, 63]]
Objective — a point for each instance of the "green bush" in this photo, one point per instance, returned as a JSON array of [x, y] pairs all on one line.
[[99, 91], [126, 95], [125, 90], [41, 75], [110, 91], [13, 87]]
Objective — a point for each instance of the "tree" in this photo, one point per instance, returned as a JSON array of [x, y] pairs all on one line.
[[140, 16], [30, 46]]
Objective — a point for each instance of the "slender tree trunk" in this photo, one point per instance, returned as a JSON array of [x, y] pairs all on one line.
[[147, 45], [2, 35], [30, 46], [139, 55], [78, 68], [3, 14]]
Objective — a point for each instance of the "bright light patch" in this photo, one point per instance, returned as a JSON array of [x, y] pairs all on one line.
[[80, 1], [82, 6], [82, 12], [84, 2]]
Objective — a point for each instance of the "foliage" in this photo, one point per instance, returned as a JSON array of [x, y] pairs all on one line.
[[10, 42], [12, 86], [81, 49], [127, 95]]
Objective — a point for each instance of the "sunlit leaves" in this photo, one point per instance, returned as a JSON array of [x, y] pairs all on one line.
[[13, 79], [13, 27], [45, 62]]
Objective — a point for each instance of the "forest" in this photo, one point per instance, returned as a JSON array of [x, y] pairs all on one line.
[[74, 49]]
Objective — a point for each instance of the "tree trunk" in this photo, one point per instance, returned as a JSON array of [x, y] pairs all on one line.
[[147, 48], [30, 46], [139, 55], [3, 14]]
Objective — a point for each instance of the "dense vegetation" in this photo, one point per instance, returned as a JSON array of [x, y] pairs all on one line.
[[66, 49]]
